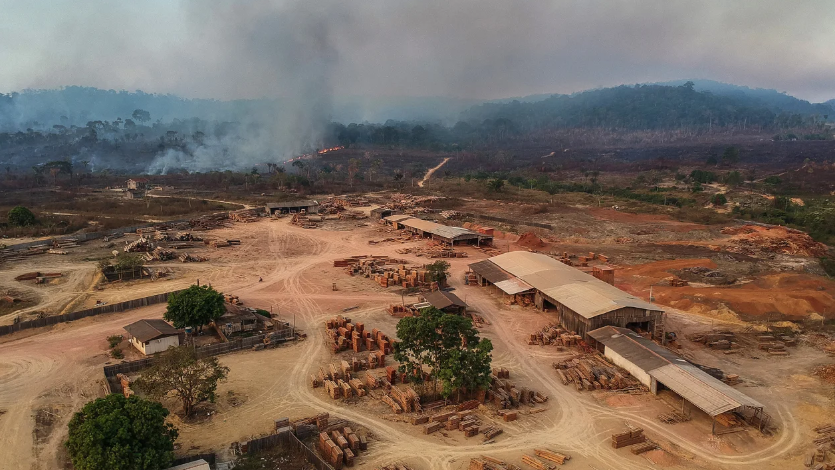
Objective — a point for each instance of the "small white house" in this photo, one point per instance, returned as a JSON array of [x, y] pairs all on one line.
[[152, 336]]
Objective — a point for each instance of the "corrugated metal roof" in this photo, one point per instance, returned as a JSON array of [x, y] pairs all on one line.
[[397, 218], [634, 347], [684, 378], [301, 203], [146, 330], [490, 271], [420, 224], [454, 232], [441, 300], [513, 286], [705, 392], [586, 294]]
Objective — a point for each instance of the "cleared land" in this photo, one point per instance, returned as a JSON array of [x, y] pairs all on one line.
[[46, 375]]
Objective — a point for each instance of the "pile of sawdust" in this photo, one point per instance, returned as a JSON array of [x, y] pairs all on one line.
[[826, 373], [531, 241], [661, 458]]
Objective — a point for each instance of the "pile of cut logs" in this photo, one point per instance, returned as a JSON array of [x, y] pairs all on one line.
[[553, 335], [590, 372], [489, 463], [504, 394]]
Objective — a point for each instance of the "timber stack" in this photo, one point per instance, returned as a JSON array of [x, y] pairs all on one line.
[[590, 372], [489, 463], [628, 438]]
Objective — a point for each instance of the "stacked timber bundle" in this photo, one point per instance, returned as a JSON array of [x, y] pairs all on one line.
[[125, 382], [344, 335], [159, 254], [536, 463], [186, 237], [332, 452], [65, 243], [244, 215], [504, 394], [489, 463], [400, 311], [189, 258], [232, 299], [139, 245], [590, 372], [555, 457], [628, 438]]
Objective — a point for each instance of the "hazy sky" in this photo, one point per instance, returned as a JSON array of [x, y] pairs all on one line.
[[469, 49]]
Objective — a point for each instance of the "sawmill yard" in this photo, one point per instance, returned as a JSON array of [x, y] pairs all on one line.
[[735, 282]]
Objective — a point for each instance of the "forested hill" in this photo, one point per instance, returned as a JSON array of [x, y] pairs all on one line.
[[643, 107]]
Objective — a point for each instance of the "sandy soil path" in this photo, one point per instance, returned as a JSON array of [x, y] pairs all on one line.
[[431, 172]]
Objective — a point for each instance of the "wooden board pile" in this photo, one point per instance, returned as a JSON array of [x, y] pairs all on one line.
[[556, 457], [401, 400], [125, 381], [352, 215], [189, 258], [400, 311], [504, 394], [141, 244], [344, 335], [303, 221], [673, 417], [824, 443], [678, 282], [489, 463], [209, 222], [341, 446], [590, 372], [728, 420], [244, 215], [772, 346], [465, 421], [159, 254], [64, 243], [628, 438], [232, 299]]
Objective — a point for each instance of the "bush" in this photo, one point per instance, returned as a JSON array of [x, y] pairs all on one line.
[[114, 340], [262, 312], [116, 353], [21, 217], [719, 200]]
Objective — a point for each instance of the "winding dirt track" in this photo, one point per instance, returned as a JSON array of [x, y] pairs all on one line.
[[61, 369]]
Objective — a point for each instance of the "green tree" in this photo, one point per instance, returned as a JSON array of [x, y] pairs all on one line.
[[195, 306], [141, 115], [733, 178], [178, 370], [21, 217], [438, 271], [496, 184], [121, 433], [448, 346], [719, 200]]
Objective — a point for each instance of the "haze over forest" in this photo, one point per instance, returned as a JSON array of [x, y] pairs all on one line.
[[265, 81]]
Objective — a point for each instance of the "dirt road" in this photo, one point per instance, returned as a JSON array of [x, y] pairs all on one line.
[[431, 172], [44, 377]]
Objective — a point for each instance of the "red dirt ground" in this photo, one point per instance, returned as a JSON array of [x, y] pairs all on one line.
[[630, 218]]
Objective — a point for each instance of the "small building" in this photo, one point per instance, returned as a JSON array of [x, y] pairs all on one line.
[[134, 194], [381, 213], [136, 184], [198, 464], [308, 206], [582, 302], [440, 232], [659, 368], [446, 302], [237, 319], [152, 336]]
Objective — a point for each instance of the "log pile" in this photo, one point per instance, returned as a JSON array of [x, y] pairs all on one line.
[[504, 394], [628, 438], [400, 311], [159, 254], [303, 221], [189, 258], [590, 372], [141, 244], [554, 335], [209, 222], [244, 215], [536, 463]]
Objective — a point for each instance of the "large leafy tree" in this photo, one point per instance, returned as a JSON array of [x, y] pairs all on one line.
[[181, 372], [21, 216], [195, 306], [438, 271], [447, 347], [121, 433]]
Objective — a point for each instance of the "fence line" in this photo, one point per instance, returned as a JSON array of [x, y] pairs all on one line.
[[289, 441], [204, 351], [109, 308]]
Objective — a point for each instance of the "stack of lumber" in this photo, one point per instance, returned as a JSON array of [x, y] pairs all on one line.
[[189, 258], [331, 451], [644, 447], [244, 215], [344, 335], [551, 335], [138, 245], [504, 394], [555, 457], [591, 372], [673, 417], [489, 463], [628, 438], [536, 463], [491, 431], [728, 420], [826, 435], [393, 404]]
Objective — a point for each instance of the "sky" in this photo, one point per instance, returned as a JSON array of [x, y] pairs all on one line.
[[475, 49]]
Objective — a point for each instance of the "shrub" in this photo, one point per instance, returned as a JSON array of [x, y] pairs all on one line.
[[719, 200], [21, 217], [114, 340], [116, 353]]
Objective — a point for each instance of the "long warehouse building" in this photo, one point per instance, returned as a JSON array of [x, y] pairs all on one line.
[[583, 302], [440, 232]]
